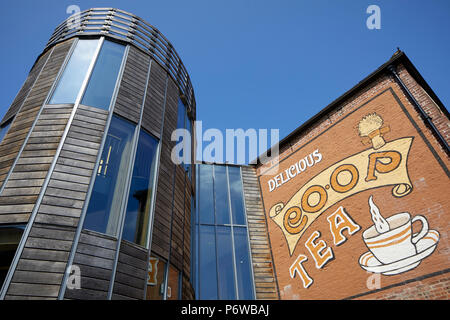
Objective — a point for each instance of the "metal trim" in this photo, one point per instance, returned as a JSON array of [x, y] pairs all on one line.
[[125, 195], [27, 230], [92, 181], [133, 30], [155, 187], [248, 235]]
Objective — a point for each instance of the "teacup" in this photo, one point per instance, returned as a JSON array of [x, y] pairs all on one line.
[[397, 243]]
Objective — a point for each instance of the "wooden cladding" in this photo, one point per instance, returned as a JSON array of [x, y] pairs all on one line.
[[164, 195], [24, 185], [132, 87], [58, 149], [95, 257], [32, 104], [264, 278], [52, 234], [152, 119], [131, 274]]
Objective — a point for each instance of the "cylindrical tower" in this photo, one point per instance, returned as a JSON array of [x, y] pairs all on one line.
[[91, 204]]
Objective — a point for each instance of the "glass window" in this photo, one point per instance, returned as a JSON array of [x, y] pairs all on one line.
[[104, 206], [206, 195], [137, 217], [236, 195], [223, 245], [243, 264], [73, 76], [102, 82], [4, 128], [221, 195], [10, 236], [188, 166], [208, 265], [225, 264]]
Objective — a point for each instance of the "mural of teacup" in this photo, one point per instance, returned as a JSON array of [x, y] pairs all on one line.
[[393, 248]]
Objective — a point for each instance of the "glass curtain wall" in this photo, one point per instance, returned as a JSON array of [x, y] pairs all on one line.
[[221, 251], [183, 122], [102, 81]]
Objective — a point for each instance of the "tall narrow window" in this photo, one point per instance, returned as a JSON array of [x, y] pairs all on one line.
[[103, 80], [208, 263], [223, 269], [10, 236], [206, 196], [236, 195], [243, 263], [4, 128], [221, 195], [73, 76], [137, 218], [183, 122], [103, 212]]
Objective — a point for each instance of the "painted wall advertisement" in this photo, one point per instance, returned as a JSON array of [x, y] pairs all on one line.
[[360, 208]]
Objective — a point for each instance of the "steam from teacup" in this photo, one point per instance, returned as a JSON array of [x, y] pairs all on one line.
[[381, 225]]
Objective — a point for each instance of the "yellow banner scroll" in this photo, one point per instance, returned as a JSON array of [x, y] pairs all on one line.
[[368, 169]]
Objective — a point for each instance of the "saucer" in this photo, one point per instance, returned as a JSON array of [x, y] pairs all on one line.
[[424, 246]]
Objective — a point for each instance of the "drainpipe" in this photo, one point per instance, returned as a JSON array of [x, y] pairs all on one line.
[[427, 118]]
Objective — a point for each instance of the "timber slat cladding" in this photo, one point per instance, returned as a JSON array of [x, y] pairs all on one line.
[[51, 237], [154, 101], [95, 257], [176, 257], [42, 263], [26, 114], [26, 87], [23, 186], [131, 273], [163, 205], [187, 230], [132, 87], [259, 242]]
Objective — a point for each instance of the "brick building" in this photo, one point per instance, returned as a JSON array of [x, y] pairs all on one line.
[[354, 207]]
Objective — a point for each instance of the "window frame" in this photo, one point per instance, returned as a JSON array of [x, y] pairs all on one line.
[[215, 225]]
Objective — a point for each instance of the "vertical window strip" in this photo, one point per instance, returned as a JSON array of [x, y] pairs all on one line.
[[127, 188], [47, 179], [92, 181]]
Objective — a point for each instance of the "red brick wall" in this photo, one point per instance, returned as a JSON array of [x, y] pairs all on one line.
[[417, 285]]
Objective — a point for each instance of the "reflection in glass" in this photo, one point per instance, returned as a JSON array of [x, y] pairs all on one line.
[[207, 266], [225, 263], [221, 195], [236, 195], [101, 85], [104, 206], [243, 268], [4, 128], [10, 236], [137, 217], [188, 166], [206, 196], [70, 83]]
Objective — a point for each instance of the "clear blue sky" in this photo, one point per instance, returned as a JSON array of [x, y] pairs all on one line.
[[254, 63]]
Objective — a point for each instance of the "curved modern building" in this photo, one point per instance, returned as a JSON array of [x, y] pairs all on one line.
[[92, 205], [87, 181]]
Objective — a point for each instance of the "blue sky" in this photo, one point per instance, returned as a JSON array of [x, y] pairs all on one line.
[[253, 63]]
